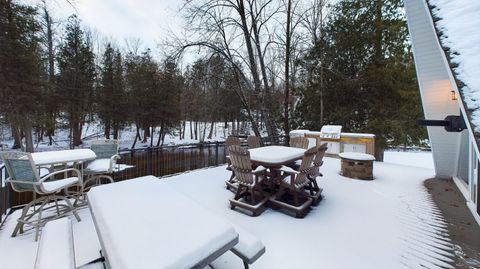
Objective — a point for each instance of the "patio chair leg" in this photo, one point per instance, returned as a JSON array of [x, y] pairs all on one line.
[[74, 211], [295, 198], [37, 225], [19, 226], [56, 206], [25, 216]]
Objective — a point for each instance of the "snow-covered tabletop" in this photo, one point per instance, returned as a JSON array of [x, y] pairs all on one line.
[[63, 156], [102, 165], [357, 156], [144, 223], [275, 155]]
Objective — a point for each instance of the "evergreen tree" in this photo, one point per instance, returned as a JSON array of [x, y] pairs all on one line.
[[110, 96], [366, 76], [75, 78], [20, 69]]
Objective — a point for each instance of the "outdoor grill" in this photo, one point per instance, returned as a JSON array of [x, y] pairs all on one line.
[[332, 135]]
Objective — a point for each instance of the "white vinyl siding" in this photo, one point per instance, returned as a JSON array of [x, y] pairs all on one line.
[[435, 86]]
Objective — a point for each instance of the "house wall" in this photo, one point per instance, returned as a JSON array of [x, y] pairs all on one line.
[[436, 82], [435, 86]]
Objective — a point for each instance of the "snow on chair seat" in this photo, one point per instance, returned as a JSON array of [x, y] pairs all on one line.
[[249, 248], [55, 249]]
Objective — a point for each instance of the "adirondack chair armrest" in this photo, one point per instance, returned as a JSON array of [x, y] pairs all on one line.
[[288, 170], [259, 170], [46, 177]]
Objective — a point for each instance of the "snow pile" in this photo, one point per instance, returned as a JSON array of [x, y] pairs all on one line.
[[459, 24]]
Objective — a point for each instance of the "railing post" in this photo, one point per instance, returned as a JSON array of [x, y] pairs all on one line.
[[216, 153], [149, 160]]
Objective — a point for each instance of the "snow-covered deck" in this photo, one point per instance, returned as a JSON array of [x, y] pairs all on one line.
[[390, 222]]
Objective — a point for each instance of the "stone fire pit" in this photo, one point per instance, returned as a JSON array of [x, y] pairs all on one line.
[[357, 165]]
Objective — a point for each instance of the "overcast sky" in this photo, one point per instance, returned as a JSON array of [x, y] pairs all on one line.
[[147, 20]]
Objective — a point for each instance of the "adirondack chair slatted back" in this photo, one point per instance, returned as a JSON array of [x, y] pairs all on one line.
[[306, 165], [241, 165], [253, 142], [20, 167], [299, 142], [232, 141], [318, 160], [104, 149]]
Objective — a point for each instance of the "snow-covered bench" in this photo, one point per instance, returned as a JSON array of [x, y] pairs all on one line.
[[249, 248], [55, 249]]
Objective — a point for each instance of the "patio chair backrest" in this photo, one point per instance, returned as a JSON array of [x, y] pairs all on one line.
[[299, 142], [318, 160], [20, 167], [104, 149], [253, 142], [241, 165], [232, 141], [306, 165]]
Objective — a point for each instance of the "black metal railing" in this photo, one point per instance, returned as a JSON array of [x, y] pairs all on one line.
[[5, 194], [157, 161]]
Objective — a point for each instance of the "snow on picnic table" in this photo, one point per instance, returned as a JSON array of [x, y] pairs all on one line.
[[390, 222]]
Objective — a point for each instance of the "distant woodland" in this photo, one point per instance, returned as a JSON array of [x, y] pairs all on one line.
[[278, 65]]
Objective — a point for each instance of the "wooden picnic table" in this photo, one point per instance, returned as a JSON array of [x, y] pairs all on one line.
[[144, 223]]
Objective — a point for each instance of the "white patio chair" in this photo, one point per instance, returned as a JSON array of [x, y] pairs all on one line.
[[24, 177], [104, 165]]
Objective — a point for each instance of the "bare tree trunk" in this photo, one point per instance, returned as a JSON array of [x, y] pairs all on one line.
[[183, 126], [180, 130], [107, 129], [196, 130], [116, 129], [137, 136], [17, 136], [77, 134], [146, 133], [160, 134], [151, 136], [191, 130], [50, 113], [267, 100], [27, 127], [321, 96], [211, 130], [286, 121]]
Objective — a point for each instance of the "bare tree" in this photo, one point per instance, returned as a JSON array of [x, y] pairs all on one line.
[[312, 20], [233, 28]]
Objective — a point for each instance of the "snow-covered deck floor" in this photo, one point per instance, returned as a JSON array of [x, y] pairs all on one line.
[[390, 222]]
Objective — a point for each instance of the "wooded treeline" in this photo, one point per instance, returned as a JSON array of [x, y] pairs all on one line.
[[279, 65]]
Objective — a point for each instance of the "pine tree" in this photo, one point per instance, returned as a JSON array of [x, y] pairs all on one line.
[[75, 78], [368, 81], [105, 104], [20, 69]]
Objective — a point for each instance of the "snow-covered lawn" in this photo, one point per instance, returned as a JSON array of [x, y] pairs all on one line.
[[390, 222]]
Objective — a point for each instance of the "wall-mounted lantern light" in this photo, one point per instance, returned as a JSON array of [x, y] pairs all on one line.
[[453, 95]]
